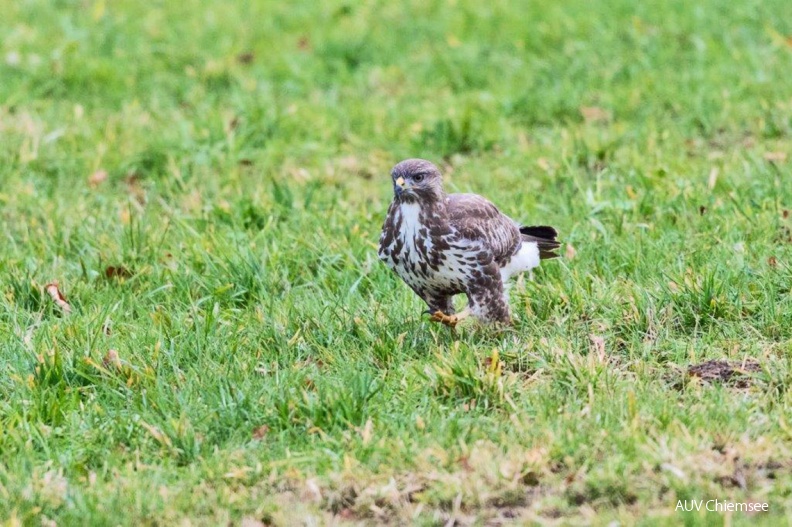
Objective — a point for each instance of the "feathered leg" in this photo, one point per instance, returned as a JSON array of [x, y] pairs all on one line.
[[442, 303], [487, 298]]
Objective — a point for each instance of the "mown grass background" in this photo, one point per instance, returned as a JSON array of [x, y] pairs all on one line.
[[206, 181]]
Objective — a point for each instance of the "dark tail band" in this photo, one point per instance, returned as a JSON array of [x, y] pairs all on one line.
[[545, 238]]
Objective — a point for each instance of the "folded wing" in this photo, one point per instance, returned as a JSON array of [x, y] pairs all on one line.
[[476, 219]]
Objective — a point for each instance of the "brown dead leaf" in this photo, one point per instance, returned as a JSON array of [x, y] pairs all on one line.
[[775, 157], [97, 178], [246, 57], [772, 261], [570, 252], [134, 188], [112, 360], [260, 432], [53, 291], [469, 406], [117, 271], [593, 114], [785, 214], [304, 44], [597, 345]]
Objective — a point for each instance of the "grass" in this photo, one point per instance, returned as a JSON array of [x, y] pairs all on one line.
[[206, 182]]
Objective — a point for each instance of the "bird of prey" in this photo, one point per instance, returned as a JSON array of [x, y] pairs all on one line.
[[443, 244]]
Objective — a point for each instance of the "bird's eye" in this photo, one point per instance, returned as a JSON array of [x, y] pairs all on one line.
[[418, 178]]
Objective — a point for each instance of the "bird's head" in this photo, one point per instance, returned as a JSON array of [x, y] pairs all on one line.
[[417, 180]]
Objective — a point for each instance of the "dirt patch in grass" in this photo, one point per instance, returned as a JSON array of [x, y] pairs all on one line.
[[735, 373]]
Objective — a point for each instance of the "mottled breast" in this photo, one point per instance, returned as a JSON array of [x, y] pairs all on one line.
[[419, 247]]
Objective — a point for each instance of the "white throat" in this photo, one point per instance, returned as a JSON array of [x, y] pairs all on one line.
[[410, 216]]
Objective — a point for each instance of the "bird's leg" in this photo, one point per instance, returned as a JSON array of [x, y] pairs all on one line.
[[450, 320]]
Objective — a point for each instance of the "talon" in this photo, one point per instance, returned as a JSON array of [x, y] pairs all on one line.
[[448, 320]]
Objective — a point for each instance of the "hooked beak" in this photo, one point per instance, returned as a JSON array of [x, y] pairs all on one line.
[[398, 185]]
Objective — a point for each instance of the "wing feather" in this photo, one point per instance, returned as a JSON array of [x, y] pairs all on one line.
[[477, 219]]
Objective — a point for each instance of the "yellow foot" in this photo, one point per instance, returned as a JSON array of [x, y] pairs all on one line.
[[449, 320]]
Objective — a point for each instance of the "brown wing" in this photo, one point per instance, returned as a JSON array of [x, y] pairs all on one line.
[[477, 219], [388, 235]]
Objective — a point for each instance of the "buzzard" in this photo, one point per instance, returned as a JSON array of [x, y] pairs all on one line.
[[443, 244]]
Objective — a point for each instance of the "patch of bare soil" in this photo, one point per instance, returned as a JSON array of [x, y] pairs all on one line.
[[736, 373]]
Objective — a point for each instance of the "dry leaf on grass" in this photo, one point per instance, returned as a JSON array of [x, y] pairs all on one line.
[[597, 345], [570, 252], [97, 178], [57, 297], [775, 157], [260, 432], [112, 360], [134, 188], [246, 58], [117, 271], [593, 114], [231, 125]]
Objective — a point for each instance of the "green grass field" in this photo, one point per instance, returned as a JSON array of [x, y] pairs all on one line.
[[206, 182]]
